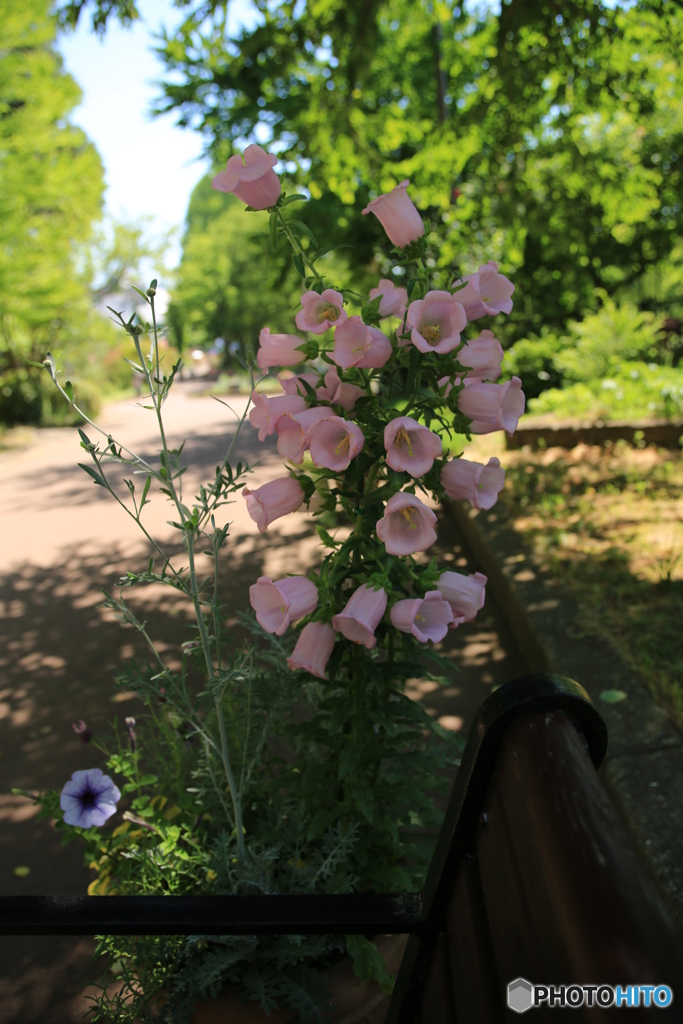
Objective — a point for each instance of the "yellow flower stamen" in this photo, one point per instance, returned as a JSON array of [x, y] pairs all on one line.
[[328, 313], [431, 333], [486, 298], [408, 514], [419, 618], [403, 437], [343, 445]]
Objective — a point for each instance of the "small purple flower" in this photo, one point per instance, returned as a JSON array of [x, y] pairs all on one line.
[[89, 798]]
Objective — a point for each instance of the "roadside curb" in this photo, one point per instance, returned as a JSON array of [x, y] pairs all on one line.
[[643, 770], [568, 434]]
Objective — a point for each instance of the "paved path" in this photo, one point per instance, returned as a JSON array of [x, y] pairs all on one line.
[[62, 541]]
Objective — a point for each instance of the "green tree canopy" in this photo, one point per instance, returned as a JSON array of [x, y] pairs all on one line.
[[224, 289], [548, 137], [51, 187]]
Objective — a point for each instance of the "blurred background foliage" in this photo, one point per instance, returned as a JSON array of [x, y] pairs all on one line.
[[58, 259], [546, 136]]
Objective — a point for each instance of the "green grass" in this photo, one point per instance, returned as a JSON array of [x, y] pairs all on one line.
[[608, 523]]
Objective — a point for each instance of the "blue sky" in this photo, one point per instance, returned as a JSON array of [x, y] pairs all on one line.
[[151, 165]]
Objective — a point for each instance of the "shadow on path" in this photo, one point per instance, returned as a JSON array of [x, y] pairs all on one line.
[[58, 651]]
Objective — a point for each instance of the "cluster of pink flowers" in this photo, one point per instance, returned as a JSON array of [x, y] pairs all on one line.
[[323, 426]]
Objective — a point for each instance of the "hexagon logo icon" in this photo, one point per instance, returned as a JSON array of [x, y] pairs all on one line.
[[520, 995]]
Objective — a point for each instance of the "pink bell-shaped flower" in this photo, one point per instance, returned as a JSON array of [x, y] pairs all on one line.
[[407, 525], [492, 406], [293, 385], [278, 350], [398, 215], [356, 344], [487, 291], [393, 301], [291, 429], [268, 409], [362, 615], [472, 481], [338, 393], [483, 356], [465, 594], [435, 322], [277, 604], [313, 649], [334, 441], [254, 181], [271, 501], [320, 312], [427, 618], [410, 446]]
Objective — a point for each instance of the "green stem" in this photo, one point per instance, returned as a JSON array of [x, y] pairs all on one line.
[[128, 615], [296, 247], [370, 478], [206, 648], [134, 460], [194, 591], [156, 402], [136, 518]]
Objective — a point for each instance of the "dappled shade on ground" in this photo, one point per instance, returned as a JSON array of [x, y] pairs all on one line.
[[65, 540]]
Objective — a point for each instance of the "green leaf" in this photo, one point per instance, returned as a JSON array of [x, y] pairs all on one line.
[[349, 759], [613, 696], [298, 261], [325, 537], [297, 198], [329, 248], [341, 713], [302, 229], [148, 780], [368, 962], [366, 803], [145, 489], [321, 820], [69, 390], [91, 472]]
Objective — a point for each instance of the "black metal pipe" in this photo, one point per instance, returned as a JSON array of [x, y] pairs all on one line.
[[345, 914]]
